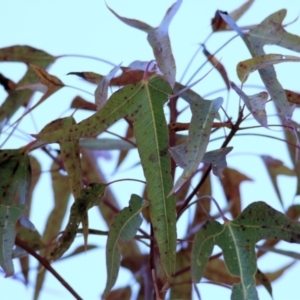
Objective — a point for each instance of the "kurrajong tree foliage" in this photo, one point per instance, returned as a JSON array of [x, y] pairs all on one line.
[[163, 265]]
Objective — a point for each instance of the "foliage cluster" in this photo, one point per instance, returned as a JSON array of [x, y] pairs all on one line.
[[171, 154]]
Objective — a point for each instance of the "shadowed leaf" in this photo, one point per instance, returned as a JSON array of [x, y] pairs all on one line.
[[276, 167], [62, 192], [9, 215], [231, 185]]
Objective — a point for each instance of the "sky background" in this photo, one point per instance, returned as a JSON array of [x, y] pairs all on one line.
[[89, 28]]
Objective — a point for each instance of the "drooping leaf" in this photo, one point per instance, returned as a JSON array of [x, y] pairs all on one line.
[[292, 97], [106, 144], [92, 172], [15, 178], [271, 32], [88, 76], [69, 153], [218, 65], [123, 229], [123, 293], [244, 68], [9, 215], [90, 197], [24, 54], [255, 103], [177, 290], [191, 154], [32, 238], [231, 186], [159, 40], [143, 104], [102, 87], [266, 249], [79, 102], [293, 139], [276, 167], [7, 84], [237, 240], [62, 192], [203, 206], [48, 85], [219, 24], [124, 152]]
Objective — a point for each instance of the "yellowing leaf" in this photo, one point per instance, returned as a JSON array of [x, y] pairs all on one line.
[[244, 68]]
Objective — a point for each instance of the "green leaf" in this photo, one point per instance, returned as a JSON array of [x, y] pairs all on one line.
[[24, 54], [69, 154], [159, 40], [15, 178], [142, 103], [9, 215], [106, 144], [237, 239], [203, 114], [90, 197], [123, 229]]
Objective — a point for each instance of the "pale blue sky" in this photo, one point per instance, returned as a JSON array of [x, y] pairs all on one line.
[[88, 28]]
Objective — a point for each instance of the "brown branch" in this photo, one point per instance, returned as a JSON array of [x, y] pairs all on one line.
[[47, 266]]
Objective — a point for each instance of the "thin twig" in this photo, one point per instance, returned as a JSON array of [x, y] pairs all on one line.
[[47, 266]]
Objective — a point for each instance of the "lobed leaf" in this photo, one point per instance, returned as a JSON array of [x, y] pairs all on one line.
[[256, 104], [237, 239]]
